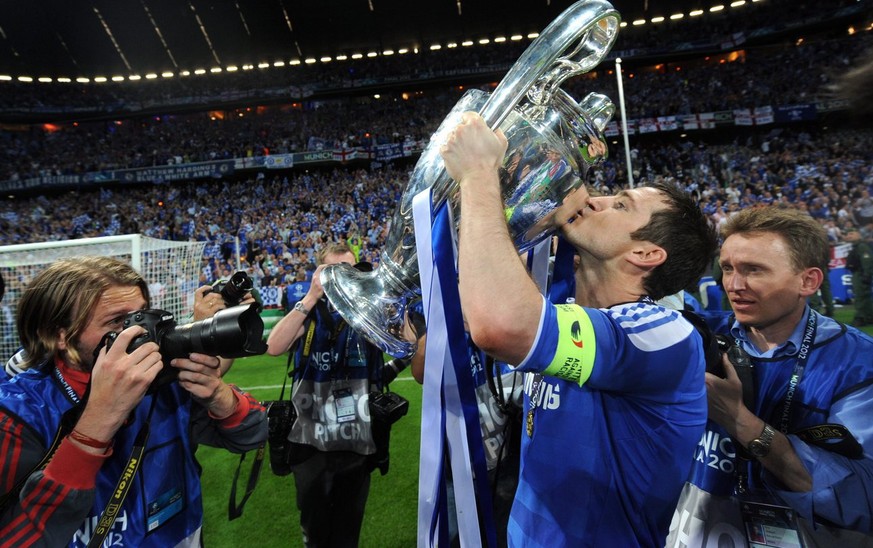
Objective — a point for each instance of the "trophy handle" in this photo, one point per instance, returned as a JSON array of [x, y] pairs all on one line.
[[574, 43]]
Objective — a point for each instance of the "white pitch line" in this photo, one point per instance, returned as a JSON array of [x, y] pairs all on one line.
[[271, 386]]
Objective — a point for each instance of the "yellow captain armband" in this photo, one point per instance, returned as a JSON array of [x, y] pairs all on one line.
[[574, 356]]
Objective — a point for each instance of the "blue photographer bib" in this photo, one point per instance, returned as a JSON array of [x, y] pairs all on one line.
[[708, 509], [163, 507], [332, 386]]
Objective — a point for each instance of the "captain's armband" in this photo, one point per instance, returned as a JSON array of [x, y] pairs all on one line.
[[574, 356]]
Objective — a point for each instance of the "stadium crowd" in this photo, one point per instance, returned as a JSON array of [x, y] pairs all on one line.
[[281, 221], [789, 76]]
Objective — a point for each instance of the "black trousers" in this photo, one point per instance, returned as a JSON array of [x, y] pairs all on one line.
[[332, 490]]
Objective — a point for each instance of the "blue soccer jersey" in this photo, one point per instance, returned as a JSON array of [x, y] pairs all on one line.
[[609, 450]]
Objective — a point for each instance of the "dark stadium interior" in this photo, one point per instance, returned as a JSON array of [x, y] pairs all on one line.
[[63, 37]]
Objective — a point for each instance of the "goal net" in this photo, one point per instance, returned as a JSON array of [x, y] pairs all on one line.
[[172, 270]]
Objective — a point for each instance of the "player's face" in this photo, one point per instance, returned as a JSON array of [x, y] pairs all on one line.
[[603, 226], [764, 288], [107, 315]]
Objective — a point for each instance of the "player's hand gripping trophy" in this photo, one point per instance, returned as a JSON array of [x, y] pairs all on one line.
[[553, 142]]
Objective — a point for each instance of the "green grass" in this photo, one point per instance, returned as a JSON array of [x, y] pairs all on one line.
[[846, 313], [270, 517]]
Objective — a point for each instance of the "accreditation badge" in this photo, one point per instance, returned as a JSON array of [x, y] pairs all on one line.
[[345, 405], [769, 524]]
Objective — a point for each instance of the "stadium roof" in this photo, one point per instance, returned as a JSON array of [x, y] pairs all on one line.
[[86, 38]]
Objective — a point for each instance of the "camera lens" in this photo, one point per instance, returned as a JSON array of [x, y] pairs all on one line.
[[232, 333], [234, 291]]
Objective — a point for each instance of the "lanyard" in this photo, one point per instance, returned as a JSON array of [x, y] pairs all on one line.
[[66, 386], [119, 494], [793, 382], [125, 482], [797, 374]]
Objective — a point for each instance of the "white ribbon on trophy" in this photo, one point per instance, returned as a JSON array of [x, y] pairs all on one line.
[[553, 141], [450, 416]]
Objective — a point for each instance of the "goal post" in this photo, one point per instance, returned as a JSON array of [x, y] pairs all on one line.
[[171, 269]]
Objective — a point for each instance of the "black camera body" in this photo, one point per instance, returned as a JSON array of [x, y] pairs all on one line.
[[234, 290], [387, 407], [280, 418], [737, 356], [232, 333]]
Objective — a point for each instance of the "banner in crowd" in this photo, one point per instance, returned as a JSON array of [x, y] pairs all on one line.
[[614, 129], [271, 296], [40, 182], [346, 154], [279, 161], [183, 172], [648, 125], [838, 274], [389, 151], [795, 113], [659, 123], [753, 117], [704, 120]]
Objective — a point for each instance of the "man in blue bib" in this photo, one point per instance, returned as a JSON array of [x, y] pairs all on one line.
[[124, 434], [336, 369], [792, 457]]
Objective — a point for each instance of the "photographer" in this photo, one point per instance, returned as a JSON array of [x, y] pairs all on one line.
[[790, 434], [336, 371], [112, 426]]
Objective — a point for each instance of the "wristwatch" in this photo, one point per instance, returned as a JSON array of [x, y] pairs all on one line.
[[760, 446], [298, 306]]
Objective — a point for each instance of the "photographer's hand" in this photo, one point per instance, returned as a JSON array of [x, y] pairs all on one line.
[[290, 327], [725, 398], [316, 290], [118, 383], [200, 375], [206, 303], [726, 408]]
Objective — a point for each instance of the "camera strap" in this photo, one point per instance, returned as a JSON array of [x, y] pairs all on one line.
[[307, 348], [235, 510], [122, 488]]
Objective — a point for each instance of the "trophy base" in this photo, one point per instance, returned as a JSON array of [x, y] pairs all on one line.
[[366, 303]]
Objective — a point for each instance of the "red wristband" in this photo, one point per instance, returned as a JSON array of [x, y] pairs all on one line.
[[89, 441]]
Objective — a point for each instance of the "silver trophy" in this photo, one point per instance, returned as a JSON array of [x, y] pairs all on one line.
[[553, 142]]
